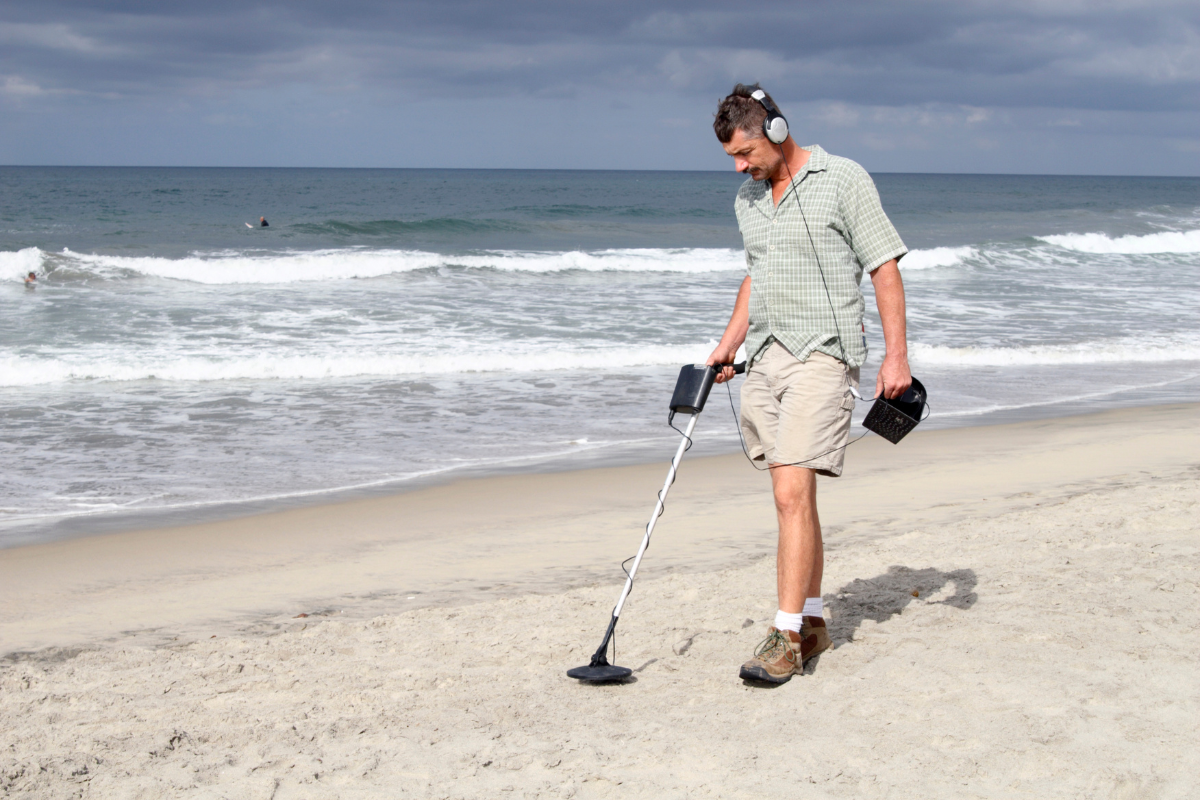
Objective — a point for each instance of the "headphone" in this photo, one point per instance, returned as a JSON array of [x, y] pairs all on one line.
[[775, 127]]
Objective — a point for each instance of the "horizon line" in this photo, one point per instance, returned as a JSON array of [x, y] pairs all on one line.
[[574, 169]]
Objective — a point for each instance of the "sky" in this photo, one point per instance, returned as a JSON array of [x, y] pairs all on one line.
[[1099, 87]]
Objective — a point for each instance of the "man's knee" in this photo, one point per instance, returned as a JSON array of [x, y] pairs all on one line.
[[794, 489]]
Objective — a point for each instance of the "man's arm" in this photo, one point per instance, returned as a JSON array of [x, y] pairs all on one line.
[[735, 332], [894, 376]]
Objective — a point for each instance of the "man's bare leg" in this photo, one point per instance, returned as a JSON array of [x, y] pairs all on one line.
[[799, 563], [801, 557]]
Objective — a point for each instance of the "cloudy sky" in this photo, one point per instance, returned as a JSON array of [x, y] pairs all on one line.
[[1019, 86]]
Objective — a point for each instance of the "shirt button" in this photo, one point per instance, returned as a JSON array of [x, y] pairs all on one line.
[[772, 247]]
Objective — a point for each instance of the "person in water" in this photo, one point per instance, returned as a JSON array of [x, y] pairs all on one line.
[[31, 279], [262, 221]]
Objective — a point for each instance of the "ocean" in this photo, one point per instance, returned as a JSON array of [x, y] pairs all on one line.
[[392, 328]]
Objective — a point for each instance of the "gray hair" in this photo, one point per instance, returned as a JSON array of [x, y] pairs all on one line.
[[740, 112]]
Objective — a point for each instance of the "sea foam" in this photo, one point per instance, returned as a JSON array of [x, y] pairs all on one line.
[[274, 267], [1101, 352], [936, 257], [161, 366], [16, 265], [1149, 244]]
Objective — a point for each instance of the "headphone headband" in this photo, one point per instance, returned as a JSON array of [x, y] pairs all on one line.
[[775, 126]]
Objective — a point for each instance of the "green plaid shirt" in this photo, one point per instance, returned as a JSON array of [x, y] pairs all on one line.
[[851, 233]]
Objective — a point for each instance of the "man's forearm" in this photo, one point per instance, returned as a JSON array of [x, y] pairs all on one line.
[[894, 376], [889, 297], [739, 320], [735, 333]]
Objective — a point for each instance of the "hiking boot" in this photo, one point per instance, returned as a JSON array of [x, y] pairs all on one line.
[[775, 658], [814, 639]]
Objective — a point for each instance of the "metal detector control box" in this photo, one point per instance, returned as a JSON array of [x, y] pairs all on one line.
[[694, 384], [692, 388]]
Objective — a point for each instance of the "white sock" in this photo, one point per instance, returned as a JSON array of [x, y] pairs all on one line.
[[813, 607], [788, 622]]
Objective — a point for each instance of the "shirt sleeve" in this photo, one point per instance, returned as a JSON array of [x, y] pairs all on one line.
[[871, 234]]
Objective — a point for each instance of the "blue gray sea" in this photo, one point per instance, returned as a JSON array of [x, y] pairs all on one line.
[[177, 361]]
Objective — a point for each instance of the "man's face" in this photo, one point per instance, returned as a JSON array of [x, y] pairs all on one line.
[[756, 156]]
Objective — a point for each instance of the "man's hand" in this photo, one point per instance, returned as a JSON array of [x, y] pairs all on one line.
[[724, 354], [894, 377]]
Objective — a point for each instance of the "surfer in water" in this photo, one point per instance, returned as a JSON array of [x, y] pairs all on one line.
[[31, 280], [262, 222]]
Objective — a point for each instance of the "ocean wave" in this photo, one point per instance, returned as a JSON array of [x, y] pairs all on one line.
[[343, 264], [18, 371], [1123, 350], [936, 257], [1149, 244], [576, 210], [16, 265], [395, 227]]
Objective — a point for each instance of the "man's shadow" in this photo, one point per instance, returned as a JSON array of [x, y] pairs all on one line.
[[884, 596]]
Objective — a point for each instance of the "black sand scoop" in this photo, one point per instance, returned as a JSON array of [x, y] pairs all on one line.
[[691, 392]]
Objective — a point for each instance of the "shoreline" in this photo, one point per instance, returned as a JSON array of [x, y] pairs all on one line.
[[473, 539], [67, 527]]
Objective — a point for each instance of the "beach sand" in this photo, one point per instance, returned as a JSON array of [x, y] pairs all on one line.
[[1015, 610]]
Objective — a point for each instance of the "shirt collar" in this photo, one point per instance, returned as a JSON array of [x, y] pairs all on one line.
[[817, 162]]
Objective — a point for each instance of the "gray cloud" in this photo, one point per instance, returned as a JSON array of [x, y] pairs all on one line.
[[941, 74], [1018, 54]]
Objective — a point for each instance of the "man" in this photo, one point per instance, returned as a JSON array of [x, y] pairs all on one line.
[[811, 224]]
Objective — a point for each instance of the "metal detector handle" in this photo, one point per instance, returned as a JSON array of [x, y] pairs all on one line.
[[738, 369]]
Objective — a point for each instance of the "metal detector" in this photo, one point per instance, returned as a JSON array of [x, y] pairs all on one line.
[[691, 392]]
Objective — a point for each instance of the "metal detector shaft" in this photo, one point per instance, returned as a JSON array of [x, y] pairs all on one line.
[[691, 393], [600, 656]]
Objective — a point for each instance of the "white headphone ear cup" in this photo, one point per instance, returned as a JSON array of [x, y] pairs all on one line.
[[776, 130]]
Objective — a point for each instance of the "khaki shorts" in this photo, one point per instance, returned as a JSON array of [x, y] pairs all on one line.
[[798, 412]]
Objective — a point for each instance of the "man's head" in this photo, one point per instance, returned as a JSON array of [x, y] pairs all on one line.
[[738, 124], [740, 112]]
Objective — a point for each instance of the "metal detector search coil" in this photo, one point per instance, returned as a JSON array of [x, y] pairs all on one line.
[[895, 419]]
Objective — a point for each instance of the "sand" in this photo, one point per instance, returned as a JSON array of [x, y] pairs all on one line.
[[1015, 610]]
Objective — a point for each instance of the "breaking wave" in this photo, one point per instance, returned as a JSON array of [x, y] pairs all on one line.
[[344, 264], [1149, 244], [936, 257]]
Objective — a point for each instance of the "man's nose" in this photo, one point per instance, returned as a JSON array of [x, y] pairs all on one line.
[[741, 164]]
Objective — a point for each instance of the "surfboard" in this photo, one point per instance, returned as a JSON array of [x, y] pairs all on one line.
[[248, 225]]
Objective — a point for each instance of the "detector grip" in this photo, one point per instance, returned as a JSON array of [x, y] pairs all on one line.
[[738, 369]]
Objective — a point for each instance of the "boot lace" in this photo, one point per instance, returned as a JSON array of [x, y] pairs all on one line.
[[768, 649]]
